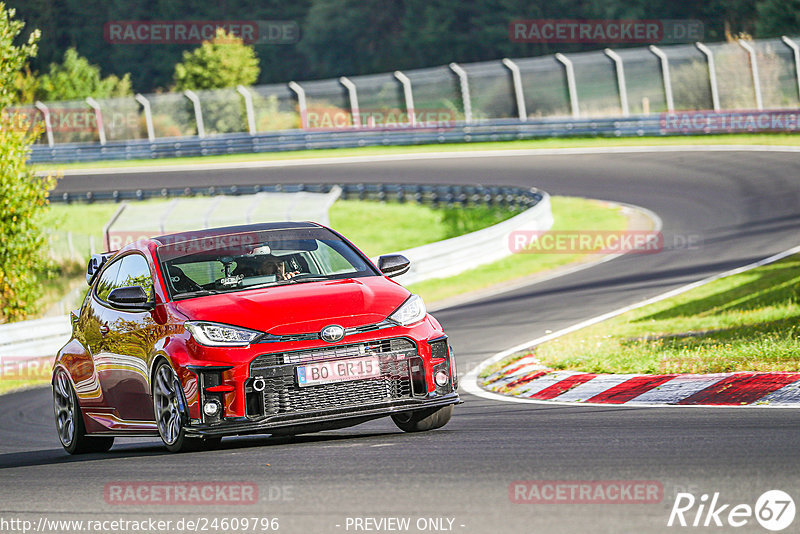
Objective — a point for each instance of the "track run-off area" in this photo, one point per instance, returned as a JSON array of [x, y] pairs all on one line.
[[735, 205]]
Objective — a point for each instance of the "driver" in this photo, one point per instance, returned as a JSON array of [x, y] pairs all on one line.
[[270, 265]]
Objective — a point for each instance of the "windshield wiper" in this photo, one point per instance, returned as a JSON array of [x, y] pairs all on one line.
[[197, 293], [288, 282]]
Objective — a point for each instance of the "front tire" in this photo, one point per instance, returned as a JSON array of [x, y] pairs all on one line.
[[69, 420], [170, 416], [423, 420]]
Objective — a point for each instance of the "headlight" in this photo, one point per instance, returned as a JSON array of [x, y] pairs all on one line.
[[220, 335], [412, 311]]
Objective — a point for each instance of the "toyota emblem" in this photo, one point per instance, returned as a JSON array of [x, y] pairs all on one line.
[[332, 333]]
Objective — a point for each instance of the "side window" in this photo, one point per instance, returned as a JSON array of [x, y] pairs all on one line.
[[134, 271], [106, 281]]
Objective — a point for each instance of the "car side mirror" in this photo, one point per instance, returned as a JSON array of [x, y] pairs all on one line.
[[130, 298], [393, 265]]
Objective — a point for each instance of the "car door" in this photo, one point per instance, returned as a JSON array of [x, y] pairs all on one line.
[[127, 338]]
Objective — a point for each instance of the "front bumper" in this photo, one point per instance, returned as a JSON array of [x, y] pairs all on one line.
[[334, 417], [274, 398]]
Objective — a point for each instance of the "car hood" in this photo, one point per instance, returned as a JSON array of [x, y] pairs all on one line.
[[301, 308]]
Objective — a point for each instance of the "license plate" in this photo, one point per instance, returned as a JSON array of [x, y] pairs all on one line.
[[338, 371]]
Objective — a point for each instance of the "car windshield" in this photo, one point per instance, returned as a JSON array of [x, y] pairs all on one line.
[[255, 259]]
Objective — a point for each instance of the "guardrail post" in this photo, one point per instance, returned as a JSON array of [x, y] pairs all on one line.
[[754, 71], [573, 91], [98, 117], [148, 116], [198, 111], [621, 86], [518, 92], [664, 60], [352, 93], [464, 83], [796, 53], [48, 125], [408, 95], [248, 107], [301, 103], [712, 74]]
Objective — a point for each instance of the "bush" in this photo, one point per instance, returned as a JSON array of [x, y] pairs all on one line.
[[22, 195]]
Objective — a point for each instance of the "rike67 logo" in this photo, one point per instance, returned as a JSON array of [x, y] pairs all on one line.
[[774, 510]]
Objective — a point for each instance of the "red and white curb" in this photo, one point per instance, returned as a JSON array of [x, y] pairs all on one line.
[[527, 378], [527, 381]]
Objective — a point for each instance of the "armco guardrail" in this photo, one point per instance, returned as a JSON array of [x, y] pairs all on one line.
[[458, 254], [33, 339], [290, 140], [42, 337]]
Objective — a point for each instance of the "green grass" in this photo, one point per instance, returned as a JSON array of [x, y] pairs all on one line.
[[745, 322], [378, 228], [570, 214], [570, 142]]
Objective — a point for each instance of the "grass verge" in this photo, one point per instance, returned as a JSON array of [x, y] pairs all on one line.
[[746, 322], [570, 214], [570, 142]]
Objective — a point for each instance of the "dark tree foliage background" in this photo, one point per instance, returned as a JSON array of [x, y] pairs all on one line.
[[353, 37]]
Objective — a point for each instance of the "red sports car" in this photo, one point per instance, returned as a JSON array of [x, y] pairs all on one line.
[[279, 328]]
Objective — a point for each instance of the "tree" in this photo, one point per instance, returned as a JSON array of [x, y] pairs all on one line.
[[22, 195], [778, 17], [75, 78], [225, 61]]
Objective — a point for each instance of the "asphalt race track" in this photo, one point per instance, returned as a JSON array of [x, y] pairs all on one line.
[[742, 205]]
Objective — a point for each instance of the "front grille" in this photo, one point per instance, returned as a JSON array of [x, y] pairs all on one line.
[[282, 395], [310, 336]]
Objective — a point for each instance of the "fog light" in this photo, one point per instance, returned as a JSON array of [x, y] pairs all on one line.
[[259, 384], [441, 379], [211, 408]]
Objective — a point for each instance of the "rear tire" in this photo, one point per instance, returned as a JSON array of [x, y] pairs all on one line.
[[69, 420], [423, 420]]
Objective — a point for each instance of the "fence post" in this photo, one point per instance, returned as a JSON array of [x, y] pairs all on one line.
[[664, 60], [248, 107], [621, 86], [573, 91], [464, 83], [796, 53], [48, 125], [352, 93], [98, 118], [712, 74], [198, 111], [408, 95], [301, 103], [148, 116], [754, 71], [518, 92]]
